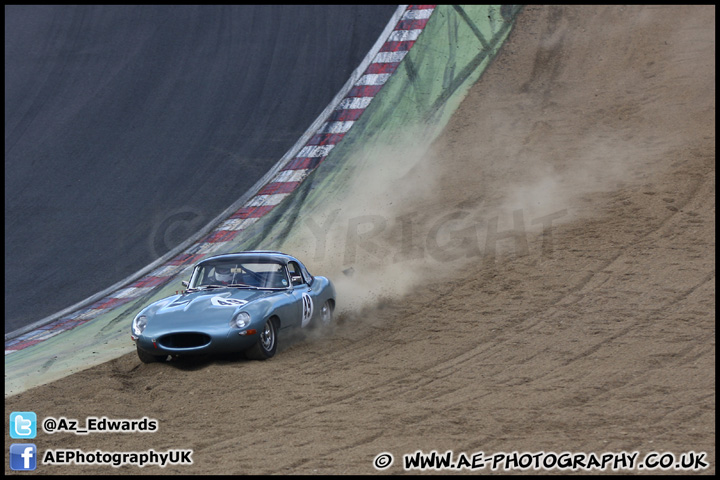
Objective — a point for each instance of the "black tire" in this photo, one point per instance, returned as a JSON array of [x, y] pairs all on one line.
[[325, 318], [149, 358], [266, 346]]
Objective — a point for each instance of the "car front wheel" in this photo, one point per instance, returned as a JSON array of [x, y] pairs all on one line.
[[146, 357], [266, 345], [325, 319]]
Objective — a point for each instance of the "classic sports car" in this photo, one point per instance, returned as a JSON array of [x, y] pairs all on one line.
[[234, 303]]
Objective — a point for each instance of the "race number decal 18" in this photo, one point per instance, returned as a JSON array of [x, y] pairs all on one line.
[[308, 307]]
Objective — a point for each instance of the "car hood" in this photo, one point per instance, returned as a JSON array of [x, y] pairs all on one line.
[[206, 307]]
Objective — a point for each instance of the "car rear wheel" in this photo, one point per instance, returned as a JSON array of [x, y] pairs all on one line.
[[146, 357], [266, 345]]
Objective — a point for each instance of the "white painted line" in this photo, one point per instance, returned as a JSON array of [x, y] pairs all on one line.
[[261, 200], [390, 57], [373, 79], [169, 270], [238, 223], [90, 314], [291, 175], [354, 103], [315, 151], [210, 247], [336, 127], [132, 292], [404, 35], [419, 14], [50, 333]]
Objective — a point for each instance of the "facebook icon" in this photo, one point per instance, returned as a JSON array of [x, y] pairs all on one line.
[[23, 456]]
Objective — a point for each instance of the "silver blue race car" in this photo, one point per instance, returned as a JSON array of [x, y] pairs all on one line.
[[234, 303]]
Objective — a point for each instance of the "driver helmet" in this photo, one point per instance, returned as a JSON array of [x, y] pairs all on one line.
[[223, 273]]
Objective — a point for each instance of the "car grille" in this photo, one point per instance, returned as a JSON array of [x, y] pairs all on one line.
[[184, 340]]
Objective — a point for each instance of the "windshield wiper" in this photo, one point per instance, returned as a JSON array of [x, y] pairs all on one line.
[[237, 285], [214, 285]]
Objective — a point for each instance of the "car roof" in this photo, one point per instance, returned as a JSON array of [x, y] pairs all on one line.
[[264, 254]]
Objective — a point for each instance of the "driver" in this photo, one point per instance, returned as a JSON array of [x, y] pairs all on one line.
[[223, 274]]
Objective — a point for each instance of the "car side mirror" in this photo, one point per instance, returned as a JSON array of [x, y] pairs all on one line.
[[185, 284], [296, 279]]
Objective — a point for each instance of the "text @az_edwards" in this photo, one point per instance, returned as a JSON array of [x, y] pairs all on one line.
[[99, 424]]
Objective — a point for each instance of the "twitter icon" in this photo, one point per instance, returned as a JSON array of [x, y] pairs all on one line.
[[23, 425]]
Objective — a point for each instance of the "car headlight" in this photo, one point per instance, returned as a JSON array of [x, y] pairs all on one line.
[[241, 320], [139, 324]]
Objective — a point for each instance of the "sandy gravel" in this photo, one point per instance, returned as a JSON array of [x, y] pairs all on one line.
[[574, 310]]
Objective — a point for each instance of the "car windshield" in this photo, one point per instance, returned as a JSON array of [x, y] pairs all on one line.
[[254, 274]]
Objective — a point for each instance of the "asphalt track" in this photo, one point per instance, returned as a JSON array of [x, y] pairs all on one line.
[[127, 128], [424, 90]]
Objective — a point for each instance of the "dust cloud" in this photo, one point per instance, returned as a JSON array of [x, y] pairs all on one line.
[[551, 152], [365, 241], [409, 218]]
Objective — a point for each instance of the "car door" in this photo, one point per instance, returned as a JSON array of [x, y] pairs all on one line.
[[304, 296]]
